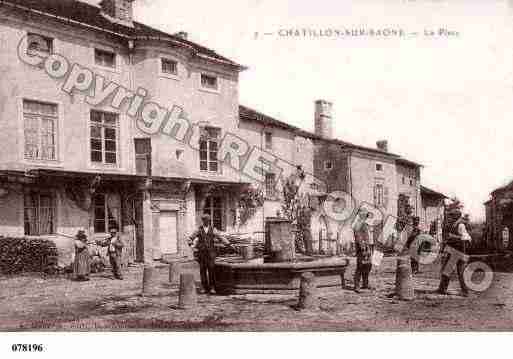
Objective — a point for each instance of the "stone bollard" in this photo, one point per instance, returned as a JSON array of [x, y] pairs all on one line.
[[148, 285], [404, 279], [308, 295], [187, 298], [174, 272]]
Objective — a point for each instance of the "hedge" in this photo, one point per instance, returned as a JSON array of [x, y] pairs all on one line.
[[18, 255]]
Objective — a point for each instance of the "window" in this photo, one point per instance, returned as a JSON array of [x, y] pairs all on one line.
[[268, 140], [39, 44], [404, 180], [208, 149], [143, 156], [214, 208], [270, 185], [328, 165], [104, 135], [106, 213], [209, 82], [379, 167], [40, 124], [169, 66], [104, 58], [39, 213], [411, 182], [379, 195]]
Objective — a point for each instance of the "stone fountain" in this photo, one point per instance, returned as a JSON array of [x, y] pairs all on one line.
[[280, 267]]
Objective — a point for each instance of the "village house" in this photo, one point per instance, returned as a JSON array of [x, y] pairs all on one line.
[[432, 213], [70, 162], [499, 218], [373, 176]]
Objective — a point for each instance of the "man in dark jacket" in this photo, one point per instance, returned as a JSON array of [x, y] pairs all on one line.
[[203, 240], [114, 246], [363, 248], [456, 237]]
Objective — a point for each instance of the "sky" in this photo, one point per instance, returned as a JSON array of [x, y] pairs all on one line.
[[444, 102]]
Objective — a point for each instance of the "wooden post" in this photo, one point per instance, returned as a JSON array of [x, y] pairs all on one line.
[[188, 298], [308, 295], [339, 252]]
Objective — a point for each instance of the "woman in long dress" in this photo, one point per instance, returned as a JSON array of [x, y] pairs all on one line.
[[81, 266]]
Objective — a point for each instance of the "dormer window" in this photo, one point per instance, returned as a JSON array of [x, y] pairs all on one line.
[[39, 44], [209, 82], [104, 58]]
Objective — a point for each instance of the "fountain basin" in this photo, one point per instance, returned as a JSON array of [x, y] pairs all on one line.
[[237, 276]]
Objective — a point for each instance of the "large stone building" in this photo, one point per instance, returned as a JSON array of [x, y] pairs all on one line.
[[107, 122], [70, 161]]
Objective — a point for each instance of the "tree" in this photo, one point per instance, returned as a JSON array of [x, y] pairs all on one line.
[[296, 208]]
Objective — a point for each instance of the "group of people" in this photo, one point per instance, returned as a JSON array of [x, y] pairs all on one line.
[[456, 235], [82, 263]]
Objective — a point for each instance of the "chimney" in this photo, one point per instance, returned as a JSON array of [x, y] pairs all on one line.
[[323, 119], [182, 34], [120, 11], [382, 145]]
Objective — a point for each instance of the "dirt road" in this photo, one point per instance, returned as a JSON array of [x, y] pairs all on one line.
[[31, 302]]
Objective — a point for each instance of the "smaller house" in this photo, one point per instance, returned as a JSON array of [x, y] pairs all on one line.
[[432, 212], [499, 216]]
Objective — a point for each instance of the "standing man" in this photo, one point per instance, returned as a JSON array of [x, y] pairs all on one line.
[[363, 248], [456, 237], [115, 249], [411, 240], [203, 241]]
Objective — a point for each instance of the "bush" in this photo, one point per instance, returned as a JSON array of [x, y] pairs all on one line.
[[19, 255]]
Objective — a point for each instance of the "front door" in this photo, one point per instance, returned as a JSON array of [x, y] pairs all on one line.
[[168, 232]]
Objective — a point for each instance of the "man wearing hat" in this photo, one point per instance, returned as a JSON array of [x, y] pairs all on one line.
[[456, 237], [363, 247], [115, 249], [203, 240]]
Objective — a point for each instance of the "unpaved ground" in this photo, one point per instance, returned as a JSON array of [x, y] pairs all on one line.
[[34, 303]]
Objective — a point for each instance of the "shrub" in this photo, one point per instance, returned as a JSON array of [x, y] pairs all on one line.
[[19, 255]]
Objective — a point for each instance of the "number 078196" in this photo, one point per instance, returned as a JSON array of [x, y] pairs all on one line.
[[27, 348]]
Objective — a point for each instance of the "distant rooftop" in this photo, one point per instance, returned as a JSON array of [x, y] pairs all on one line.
[[249, 114]]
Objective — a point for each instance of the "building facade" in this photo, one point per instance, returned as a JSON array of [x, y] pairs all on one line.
[[499, 218], [75, 158], [109, 123]]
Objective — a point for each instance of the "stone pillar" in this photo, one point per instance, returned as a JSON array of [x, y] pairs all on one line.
[[148, 284], [308, 294], [404, 279], [188, 298]]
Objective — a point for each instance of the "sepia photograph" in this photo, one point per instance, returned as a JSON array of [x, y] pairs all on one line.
[[255, 166]]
